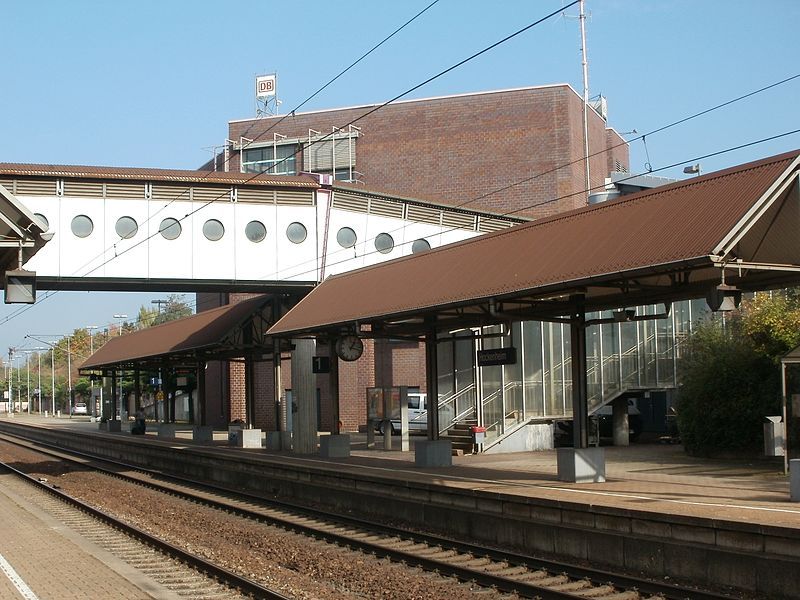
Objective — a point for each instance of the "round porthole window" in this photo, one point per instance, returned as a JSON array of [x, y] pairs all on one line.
[[384, 243], [255, 231], [126, 227], [43, 220], [213, 230], [420, 246], [346, 237], [82, 226], [170, 228], [296, 232]]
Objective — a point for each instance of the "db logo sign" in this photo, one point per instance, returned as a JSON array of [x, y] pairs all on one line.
[[265, 86]]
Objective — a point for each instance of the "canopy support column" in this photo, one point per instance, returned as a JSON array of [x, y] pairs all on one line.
[[137, 390], [580, 464], [277, 386], [114, 396], [304, 425], [249, 392], [432, 383], [580, 406], [201, 391]]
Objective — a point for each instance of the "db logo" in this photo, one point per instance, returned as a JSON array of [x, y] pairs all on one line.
[[266, 86]]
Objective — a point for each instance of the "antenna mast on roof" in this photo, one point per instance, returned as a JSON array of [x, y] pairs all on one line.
[[585, 96]]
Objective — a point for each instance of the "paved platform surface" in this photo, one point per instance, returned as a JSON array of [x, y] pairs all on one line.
[[42, 558], [651, 477]]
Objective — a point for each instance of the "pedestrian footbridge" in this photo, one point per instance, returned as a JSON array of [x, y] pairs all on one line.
[[169, 230]]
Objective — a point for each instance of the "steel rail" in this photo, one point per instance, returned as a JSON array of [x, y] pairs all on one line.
[[229, 578], [574, 572]]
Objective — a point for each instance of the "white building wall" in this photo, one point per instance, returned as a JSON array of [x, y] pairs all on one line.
[[234, 257]]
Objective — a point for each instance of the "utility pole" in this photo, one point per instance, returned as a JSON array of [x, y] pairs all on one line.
[[585, 65]]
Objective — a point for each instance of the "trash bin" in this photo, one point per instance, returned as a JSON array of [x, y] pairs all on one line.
[[774, 432], [478, 434]]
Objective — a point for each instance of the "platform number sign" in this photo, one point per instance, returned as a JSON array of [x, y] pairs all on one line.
[[265, 86], [321, 364]]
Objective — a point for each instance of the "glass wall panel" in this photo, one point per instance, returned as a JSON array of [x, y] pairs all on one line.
[[629, 361], [446, 367], [532, 362], [594, 366], [512, 375], [556, 365], [566, 358], [492, 387], [610, 339], [647, 349], [666, 352], [465, 376]]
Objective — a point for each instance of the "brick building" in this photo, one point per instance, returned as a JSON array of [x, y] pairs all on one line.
[[454, 149], [517, 152]]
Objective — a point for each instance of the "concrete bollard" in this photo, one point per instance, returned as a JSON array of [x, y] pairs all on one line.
[[334, 446], [794, 479]]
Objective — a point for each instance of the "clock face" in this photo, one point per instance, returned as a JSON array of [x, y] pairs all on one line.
[[349, 347]]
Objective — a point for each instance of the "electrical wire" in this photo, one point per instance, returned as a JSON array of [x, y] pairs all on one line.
[[312, 96], [583, 191], [381, 106], [581, 159], [51, 293]]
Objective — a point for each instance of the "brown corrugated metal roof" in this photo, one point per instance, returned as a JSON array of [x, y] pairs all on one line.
[[202, 331], [678, 224], [172, 175]]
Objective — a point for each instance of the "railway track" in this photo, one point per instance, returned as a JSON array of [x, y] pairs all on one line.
[[183, 573], [486, 568]]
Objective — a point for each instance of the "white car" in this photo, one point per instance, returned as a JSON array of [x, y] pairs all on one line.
[[80, 409]]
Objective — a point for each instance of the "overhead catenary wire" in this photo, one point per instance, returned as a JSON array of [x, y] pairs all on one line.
[[583, 191], [581, 159], [379, 107], [662, 168], [303, 103], [541, 174], [53, 292]]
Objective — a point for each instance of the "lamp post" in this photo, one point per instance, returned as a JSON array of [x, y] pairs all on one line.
[[28, 389], [10, 404], [39, 359], [121, 318], [38, 337], [93, 411]]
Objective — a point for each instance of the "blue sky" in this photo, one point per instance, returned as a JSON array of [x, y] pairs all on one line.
[[153, 83]]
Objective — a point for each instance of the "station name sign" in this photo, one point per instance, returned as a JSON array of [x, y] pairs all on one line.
[[498, 356]]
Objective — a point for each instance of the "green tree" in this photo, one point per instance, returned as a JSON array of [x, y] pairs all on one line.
[[174, 309], [730, 376]]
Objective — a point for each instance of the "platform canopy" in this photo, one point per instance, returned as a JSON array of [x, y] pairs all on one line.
[[19, 229], [230, 331], [669, 243]]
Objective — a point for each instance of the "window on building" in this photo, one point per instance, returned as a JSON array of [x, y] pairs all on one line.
[[45, 223], [255, 231], [332, 155], [126, 227], [213, 230], [296, 232], [342, 174], [420, 246], [275, 160], [346, 237], [82, 226], [170, 229], [384, 243]]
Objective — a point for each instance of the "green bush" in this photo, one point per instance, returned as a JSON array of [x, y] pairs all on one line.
[[727, 388]]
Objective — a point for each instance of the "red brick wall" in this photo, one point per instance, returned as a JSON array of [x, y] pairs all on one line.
[[459, 149]]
